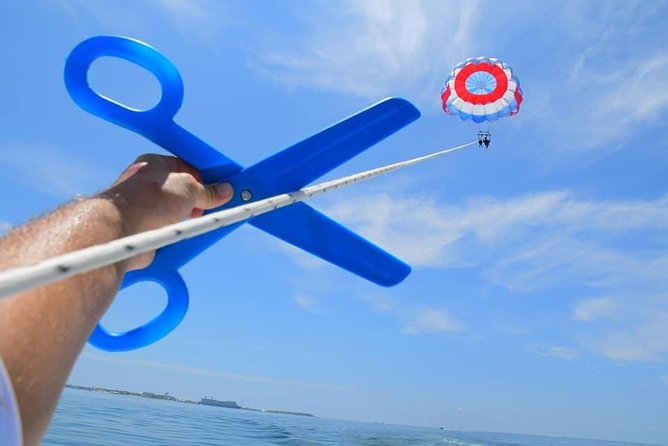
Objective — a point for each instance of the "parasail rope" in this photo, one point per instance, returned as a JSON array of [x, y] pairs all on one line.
[[47, 271]]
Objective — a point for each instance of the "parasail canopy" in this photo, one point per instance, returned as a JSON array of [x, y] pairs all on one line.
[[482, 89]]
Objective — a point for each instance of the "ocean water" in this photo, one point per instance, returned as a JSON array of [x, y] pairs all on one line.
[[97, 419]]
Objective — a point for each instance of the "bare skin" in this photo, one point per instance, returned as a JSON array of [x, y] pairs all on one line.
[[44, 330]]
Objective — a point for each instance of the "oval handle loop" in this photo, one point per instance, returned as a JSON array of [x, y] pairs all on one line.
[[160, 326], [145, 121]]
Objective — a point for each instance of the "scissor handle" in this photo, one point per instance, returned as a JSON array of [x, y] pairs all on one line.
[[160, 326], [141, 121]]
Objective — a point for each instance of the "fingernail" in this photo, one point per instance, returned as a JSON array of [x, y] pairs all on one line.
[[224, 190]]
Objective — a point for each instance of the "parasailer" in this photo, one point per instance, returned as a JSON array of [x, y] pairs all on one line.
[[484, 137], [481, 90]]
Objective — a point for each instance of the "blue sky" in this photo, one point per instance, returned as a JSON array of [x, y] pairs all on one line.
[[538, 302]]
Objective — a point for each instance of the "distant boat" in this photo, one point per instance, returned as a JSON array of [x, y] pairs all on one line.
[[214, 402]]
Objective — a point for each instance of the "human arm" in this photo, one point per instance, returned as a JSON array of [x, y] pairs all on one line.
[[42, 331]]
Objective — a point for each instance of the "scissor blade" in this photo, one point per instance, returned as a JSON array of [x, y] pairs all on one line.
[[313, 157], [308, 229], [212, 164]]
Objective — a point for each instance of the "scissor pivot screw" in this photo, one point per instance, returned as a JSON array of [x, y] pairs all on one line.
[[246, 195]]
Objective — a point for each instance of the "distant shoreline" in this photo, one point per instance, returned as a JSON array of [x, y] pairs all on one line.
[[167, 397]]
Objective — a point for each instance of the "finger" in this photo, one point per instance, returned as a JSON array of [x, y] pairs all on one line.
[[140, 261], [159, 161], [131, 170], [197, 212], [212, 196], [169, 163], [182, 166]]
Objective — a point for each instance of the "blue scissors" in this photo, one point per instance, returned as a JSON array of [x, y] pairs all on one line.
[[285, 171]]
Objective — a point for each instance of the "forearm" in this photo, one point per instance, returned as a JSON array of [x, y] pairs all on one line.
[[44, 330]]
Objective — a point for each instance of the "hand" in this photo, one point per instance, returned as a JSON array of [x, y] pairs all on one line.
[[43, 330], [157, 191]]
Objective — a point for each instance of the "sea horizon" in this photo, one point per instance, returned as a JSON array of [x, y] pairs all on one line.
[[75, 420]]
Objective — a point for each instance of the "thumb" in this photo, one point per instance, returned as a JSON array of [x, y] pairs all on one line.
[[214, 195]]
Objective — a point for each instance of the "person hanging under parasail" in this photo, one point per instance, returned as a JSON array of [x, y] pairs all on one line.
[[481, 90]]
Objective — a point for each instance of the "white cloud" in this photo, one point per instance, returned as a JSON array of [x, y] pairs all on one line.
[[194, 371], [427, 233], [379, 302], [432, 321], [639, 332], [47, 170], [200, 18], [541, 233], [537, 242], [616, 85], [638, 344], [190, 9], [561, 352], [594, 309], [375, 217], [307, 303], [635, 93], [554, 351], [543, 263], [512, 329], [373, 47]]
